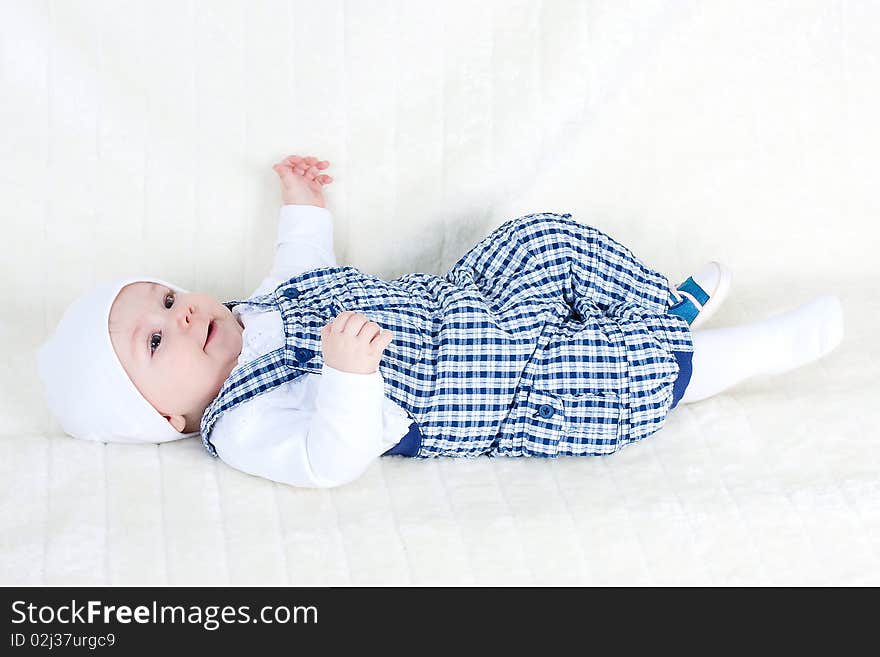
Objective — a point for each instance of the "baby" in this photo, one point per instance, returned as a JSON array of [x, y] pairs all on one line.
[[547, 338]]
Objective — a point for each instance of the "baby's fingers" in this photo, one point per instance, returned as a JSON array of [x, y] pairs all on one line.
[[382, 339], [313, 161], [297, 164], [282, 170]]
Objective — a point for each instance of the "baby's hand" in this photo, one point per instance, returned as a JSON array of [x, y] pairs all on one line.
[[352, 343], [301, 180]]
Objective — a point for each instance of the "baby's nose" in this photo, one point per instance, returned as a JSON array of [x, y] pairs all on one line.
[[185, 315]]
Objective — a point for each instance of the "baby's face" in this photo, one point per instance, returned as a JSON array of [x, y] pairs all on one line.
[[177, 348]]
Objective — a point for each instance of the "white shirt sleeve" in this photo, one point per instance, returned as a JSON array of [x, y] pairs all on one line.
[[346, 429], [305, 242], [330, 447]]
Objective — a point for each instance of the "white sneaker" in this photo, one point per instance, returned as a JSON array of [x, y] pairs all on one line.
[[697, 298]]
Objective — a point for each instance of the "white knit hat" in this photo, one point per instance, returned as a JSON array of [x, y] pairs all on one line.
[[88, 391]]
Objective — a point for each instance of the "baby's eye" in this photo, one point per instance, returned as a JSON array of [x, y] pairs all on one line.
[[155, 339], [170, 294]]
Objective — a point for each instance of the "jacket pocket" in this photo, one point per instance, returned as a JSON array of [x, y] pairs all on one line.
[[592, 424], [571, 425]]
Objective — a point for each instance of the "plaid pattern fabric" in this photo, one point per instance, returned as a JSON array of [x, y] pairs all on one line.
[[547, 338]]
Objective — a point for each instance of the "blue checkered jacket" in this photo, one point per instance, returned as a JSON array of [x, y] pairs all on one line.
[[547, 338]]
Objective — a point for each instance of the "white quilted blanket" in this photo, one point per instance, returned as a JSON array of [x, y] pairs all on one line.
[[137, 137]]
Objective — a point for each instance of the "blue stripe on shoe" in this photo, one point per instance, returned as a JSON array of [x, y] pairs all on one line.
[[686, 310], [690, 286]]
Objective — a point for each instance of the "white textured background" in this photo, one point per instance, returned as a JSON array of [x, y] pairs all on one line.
[[138, 137]]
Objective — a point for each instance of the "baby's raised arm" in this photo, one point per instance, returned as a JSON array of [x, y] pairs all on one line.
[[305, 226]]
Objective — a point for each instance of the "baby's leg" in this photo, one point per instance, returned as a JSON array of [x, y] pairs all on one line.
[[549, 255], [725, 357]]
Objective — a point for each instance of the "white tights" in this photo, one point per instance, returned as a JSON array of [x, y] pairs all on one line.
[[724, 357]]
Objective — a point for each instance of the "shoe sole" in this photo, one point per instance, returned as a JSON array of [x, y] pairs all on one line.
[[716, 298]]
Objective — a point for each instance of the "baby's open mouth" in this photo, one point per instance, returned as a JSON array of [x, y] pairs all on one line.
[[209, 332]]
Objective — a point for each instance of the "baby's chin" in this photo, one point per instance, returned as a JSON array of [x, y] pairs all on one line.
[[225, 340], [224, 348]]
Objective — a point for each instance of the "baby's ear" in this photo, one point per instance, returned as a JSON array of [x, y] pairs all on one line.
[[177, 421]]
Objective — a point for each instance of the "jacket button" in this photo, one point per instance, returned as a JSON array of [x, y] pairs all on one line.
[[545, 410], [302, 355], [291, 293]]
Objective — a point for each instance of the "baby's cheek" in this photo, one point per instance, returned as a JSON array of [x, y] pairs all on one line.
[[198, 382]]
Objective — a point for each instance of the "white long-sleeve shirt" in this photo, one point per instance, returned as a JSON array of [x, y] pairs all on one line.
[[317, 430]]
